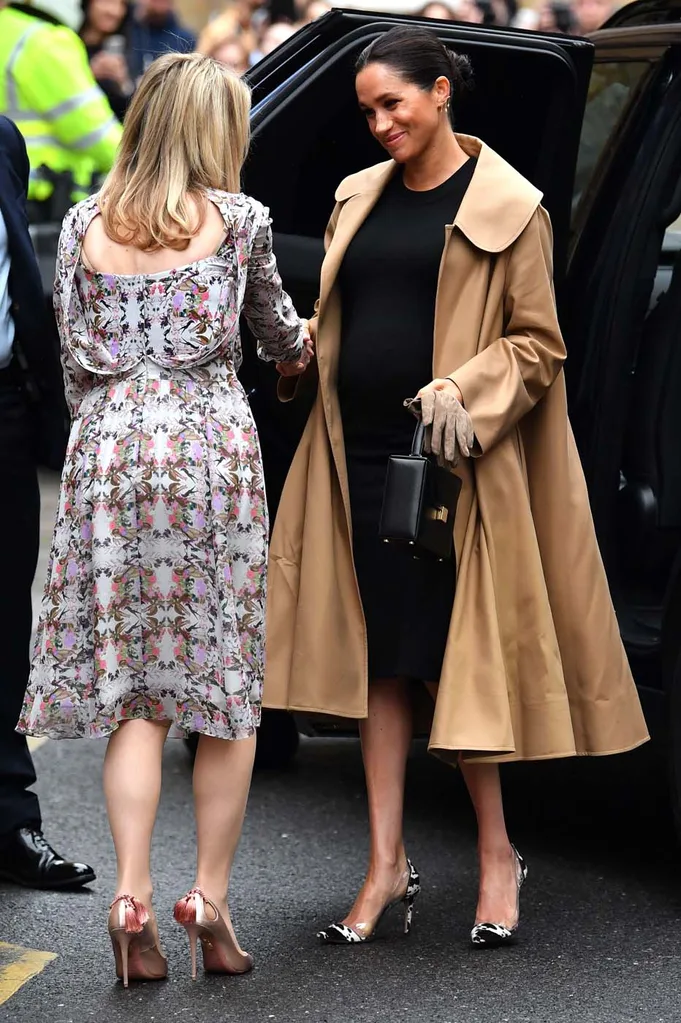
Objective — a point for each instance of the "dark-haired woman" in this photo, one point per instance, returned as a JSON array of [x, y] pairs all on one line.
[[519, 645], [104, 32]]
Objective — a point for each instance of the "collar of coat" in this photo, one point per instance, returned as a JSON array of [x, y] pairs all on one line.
[[497, 206]]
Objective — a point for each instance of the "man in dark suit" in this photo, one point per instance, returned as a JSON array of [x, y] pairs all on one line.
[[31, 420]]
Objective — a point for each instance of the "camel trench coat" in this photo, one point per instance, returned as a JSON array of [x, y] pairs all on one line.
[[534, 666]]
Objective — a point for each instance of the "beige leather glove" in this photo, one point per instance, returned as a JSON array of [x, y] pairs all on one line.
[[451, 433]]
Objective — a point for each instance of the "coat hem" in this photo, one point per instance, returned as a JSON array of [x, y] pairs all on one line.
[[324, 711], [504, 755]]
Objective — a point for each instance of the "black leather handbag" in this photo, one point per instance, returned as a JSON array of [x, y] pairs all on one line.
[[419, 503]]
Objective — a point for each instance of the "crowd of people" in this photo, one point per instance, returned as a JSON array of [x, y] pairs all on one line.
[[123, 37], [568, 17]]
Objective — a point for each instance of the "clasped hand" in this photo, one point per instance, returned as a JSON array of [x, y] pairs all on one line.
[[294, 369], [450, 433]]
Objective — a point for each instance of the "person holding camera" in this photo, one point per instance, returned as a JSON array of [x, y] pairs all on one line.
[[104, 31]]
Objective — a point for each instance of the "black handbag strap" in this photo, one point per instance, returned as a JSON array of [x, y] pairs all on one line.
[[419, 439]]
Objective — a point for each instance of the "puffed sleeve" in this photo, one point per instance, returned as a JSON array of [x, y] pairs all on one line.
[[504, 381], [77, 381], [268, 309]]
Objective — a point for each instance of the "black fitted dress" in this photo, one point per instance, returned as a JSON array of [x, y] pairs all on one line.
[[388, 282]]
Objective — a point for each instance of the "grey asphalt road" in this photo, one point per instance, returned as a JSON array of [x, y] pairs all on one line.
[[599, 936], [599, 940]]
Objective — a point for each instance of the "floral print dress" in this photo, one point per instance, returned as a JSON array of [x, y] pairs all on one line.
[[155, 598]]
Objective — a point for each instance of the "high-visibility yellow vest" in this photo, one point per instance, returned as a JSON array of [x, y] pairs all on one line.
[[48, 90]]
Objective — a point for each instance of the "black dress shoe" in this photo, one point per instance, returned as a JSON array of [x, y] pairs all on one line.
[[26, 858]]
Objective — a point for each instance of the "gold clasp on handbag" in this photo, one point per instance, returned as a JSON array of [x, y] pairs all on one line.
[[439, 514]]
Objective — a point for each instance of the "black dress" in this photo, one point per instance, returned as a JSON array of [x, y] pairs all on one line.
[[388, 282]]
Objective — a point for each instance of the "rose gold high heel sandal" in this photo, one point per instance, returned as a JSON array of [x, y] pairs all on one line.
[[135, 942], [203, 921]]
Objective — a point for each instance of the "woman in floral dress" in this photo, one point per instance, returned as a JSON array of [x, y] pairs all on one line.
[[153, 614]]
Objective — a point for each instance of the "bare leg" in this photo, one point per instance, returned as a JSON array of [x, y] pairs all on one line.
[[497, 897], [222, 778], [386, 736], [132, 787]]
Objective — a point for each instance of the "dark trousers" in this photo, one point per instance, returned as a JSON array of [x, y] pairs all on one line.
[[19, 539]]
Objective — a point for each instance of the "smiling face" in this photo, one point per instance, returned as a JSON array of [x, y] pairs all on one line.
[[403, 117]]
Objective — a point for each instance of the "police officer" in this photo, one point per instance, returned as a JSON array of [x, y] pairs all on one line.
[[48, 90]]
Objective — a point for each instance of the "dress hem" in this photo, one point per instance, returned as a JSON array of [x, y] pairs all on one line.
[[177, 728], [103, 733]]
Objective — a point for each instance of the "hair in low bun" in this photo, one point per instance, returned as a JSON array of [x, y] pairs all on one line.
[[418, 56], [462, 72]]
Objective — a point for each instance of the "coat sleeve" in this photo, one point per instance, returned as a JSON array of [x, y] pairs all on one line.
[[18, 157], [504, 381], [289, 387]]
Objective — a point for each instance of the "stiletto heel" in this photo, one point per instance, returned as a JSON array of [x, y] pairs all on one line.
[[343, 934], [193, 935], [135, 943], [219, 947], [121, 946], [408, 914], [489, 935]]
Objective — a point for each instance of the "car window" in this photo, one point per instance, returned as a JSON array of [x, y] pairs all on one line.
[[612, 85]]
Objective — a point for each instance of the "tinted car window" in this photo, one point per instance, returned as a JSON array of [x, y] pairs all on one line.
[[612, 85]]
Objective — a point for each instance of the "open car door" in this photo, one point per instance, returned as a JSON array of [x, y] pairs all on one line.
[[308, 134]]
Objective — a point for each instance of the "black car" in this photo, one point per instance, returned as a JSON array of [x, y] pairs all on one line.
[[595, 124]]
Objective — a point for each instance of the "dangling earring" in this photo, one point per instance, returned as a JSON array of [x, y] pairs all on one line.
[[447, 107]]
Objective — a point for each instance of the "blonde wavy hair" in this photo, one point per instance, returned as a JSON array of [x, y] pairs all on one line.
[[186, 130]]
